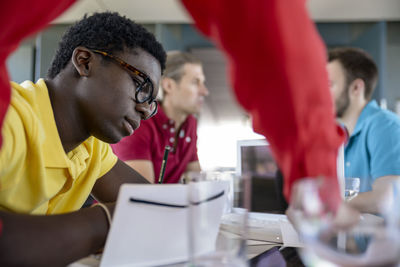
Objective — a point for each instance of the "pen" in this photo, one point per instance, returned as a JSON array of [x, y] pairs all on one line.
[[163, 165]]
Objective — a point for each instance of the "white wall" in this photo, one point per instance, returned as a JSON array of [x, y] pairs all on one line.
[[222, 122]]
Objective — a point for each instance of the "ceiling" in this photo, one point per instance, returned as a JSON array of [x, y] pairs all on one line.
[[143, 11], [171, 11]]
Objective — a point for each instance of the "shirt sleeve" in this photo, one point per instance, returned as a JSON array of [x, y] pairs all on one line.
[[278, 71], [384, 146], [136, 146], [12, 151], [108, 159]]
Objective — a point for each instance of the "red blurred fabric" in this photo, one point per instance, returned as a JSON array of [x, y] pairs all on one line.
[[19, 19], [277, 65]]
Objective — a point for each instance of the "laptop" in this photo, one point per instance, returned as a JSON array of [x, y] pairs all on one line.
[[255, 160], [254, 157], [267, 221]]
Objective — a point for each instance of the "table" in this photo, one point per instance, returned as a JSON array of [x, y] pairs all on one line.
[[254, 249]]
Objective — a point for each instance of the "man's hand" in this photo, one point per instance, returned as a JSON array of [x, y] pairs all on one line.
[[378, 199], [309, 206]]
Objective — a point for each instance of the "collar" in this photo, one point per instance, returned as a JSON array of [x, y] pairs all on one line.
[[370, 109], [161, 117], [53, 151]]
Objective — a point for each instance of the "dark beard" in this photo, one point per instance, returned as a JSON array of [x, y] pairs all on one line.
[[342, 103]]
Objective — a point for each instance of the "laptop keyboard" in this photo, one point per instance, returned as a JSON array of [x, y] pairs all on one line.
[[261, 229]]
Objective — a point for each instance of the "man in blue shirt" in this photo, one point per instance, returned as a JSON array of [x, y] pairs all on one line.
[[372, 152]]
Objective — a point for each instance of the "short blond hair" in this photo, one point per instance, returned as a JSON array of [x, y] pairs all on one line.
[[175, 62]]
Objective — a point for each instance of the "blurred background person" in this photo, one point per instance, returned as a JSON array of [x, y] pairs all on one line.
[[372, 152], [174, 125]]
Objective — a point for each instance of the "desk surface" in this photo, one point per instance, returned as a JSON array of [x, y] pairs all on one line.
[[264, 257], [253, 251], [257, 252]]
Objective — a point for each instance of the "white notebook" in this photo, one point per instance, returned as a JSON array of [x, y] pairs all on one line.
[[147, 234]]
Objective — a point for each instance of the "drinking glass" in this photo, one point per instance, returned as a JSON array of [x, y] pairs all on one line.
[[367, 239], [229, 176], [352, 187], [209, 245]]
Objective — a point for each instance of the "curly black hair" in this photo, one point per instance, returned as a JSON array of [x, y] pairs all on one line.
[[106, 31]]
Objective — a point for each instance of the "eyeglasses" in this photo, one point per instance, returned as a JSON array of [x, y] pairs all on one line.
[[144, 89]]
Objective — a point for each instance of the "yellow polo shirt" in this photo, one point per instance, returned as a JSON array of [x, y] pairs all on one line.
[[36, 176]]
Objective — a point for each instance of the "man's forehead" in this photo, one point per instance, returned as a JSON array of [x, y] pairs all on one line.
[[336, 67], [192, 69]]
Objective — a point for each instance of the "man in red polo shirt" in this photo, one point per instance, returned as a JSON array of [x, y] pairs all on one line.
[[174, 125]]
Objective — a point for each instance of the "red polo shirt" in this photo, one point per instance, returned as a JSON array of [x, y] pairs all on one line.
[[149, 140]]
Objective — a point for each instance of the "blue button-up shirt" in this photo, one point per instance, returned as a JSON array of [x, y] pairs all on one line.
[[373, 149]]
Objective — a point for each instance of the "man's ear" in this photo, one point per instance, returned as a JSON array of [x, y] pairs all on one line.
[[82, 60], [167, 84], [357, 87]]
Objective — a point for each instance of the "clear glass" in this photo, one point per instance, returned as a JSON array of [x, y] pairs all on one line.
[[352, 187], [229, 247], [369, 240]]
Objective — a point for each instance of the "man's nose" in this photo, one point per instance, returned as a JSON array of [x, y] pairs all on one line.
[[204, 90]]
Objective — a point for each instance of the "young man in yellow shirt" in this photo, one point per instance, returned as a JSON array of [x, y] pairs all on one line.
[[102, 82]]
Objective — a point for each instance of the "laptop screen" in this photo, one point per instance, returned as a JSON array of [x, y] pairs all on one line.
[[254, 157]]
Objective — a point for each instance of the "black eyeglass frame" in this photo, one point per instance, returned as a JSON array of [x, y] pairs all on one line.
[[141, 85]]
